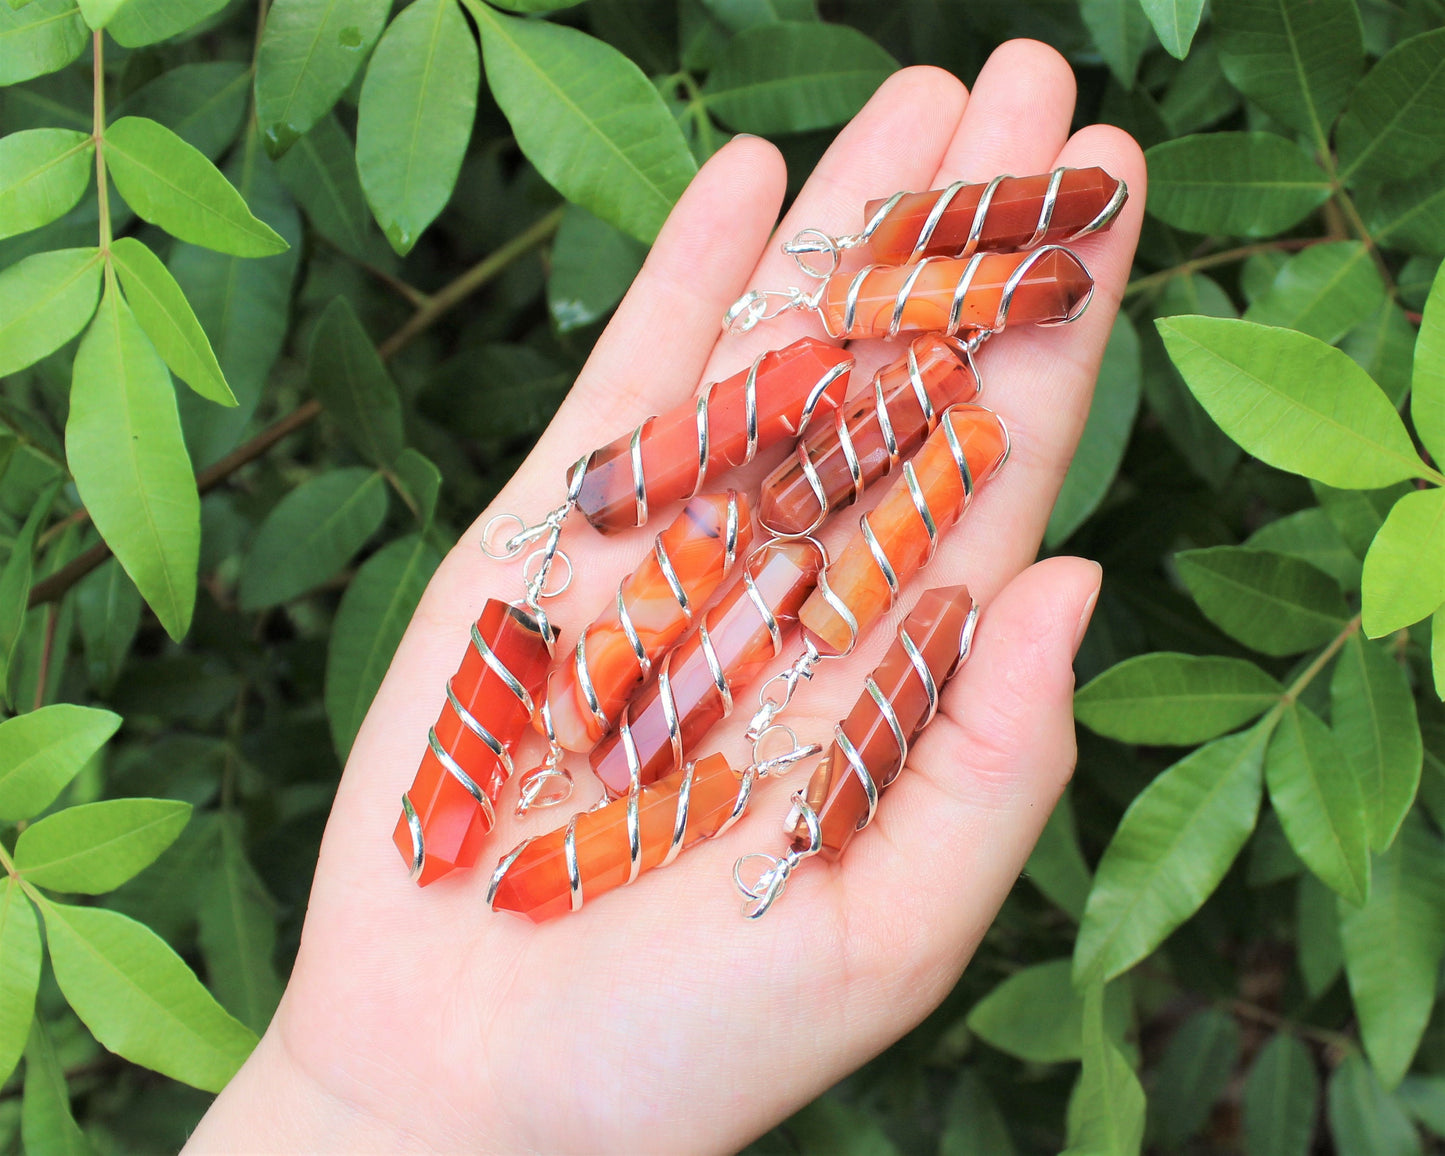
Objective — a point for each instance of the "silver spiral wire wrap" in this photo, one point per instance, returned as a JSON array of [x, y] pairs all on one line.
[[809, 242], [550, 769], [764, 891], [880, 413]]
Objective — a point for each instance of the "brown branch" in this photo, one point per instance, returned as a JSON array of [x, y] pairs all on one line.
[[444, 300], [1156, 280]]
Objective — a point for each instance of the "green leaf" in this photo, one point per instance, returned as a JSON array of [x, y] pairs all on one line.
[[167, 318], [1036, 1015], [1174, 699], [1296, 59], [1321, 954], [415, 117], [1056, 865], [1358, 514], [109, 608], [830, 1127], [1198, 94], [592, 266], [972, 1122], [1175, 22], [311, 534], [1424, 1098], [42, 37], [1394, 124], [1272, 603], [1281, 1098], [1171, 849], [1323, 291], [1316, 794], [1384, 347], [588, 119], [1106, 1112], [1372, 710], [45, 300], [43, 174], [320, 171], [1292, 401], [94, 848], [139, 999], [1404, 576], [19, 972], [347, 376], [172, 185], [142, 22], [238, 933], [1408, 214], [123, 443], [1393, 947], [46, 1124], [309, 52], [40, 752], [733, 15], [419, 482], [795, 76], [1192, 1073], [203, 104], [98, 13], [1365, 1120], [1310, 536], [1243, 184], [367, 629], [1437, 651], [15, 579], [1121, 32], [1427, 389], [1105, 437]]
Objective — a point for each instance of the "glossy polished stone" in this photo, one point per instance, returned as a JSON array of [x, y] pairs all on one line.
[[453, 823], [784, 573], [669, 444], [835, 792], [695, 544], [1053, 285], [536, 886], [854, 575], [1009, 223], [789, 504]]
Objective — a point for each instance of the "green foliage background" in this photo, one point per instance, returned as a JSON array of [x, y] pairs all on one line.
[[343, 253]]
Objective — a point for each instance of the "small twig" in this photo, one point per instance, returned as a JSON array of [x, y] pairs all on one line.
[[52, 617], [1227, 257]]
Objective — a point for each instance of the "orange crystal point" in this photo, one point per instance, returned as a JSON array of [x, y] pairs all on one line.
[[684, 686], [452, 820], [946, 483], [808, 378], [937, 626], [537, 886], [699, 548], [932, 372], [1044, 286], [1011, 220]]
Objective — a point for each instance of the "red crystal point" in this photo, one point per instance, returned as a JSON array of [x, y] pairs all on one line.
[[1040, 287], [697, 549], [854, 575], [537, 884], [783, 573], [783, 383], [450, 820], [790, 503], [1010, 222], [835, 792]]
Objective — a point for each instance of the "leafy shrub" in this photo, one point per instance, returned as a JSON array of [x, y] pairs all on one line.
[[361, 306]]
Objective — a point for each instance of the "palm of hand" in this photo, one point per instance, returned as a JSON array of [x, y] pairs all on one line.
[[659, 1019]]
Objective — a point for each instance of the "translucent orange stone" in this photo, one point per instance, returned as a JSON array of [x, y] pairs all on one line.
[[1010, 222], [835, 792], [934, 367], [697, 550], [855, 576], [453, 824], [684, 685], [1050, 286], [783, 383], [537, 885]]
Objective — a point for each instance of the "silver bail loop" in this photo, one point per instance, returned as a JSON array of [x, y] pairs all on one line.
[[754, 306]]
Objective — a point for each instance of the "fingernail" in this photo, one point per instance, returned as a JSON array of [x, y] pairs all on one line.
[[1087, 613], [746, 136]]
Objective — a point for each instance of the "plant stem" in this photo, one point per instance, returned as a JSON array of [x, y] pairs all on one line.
[[445, 299], [1227, 257], [52, 618], [98, 135], [1250, 1011], [1357, 223], [1307, 675]]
